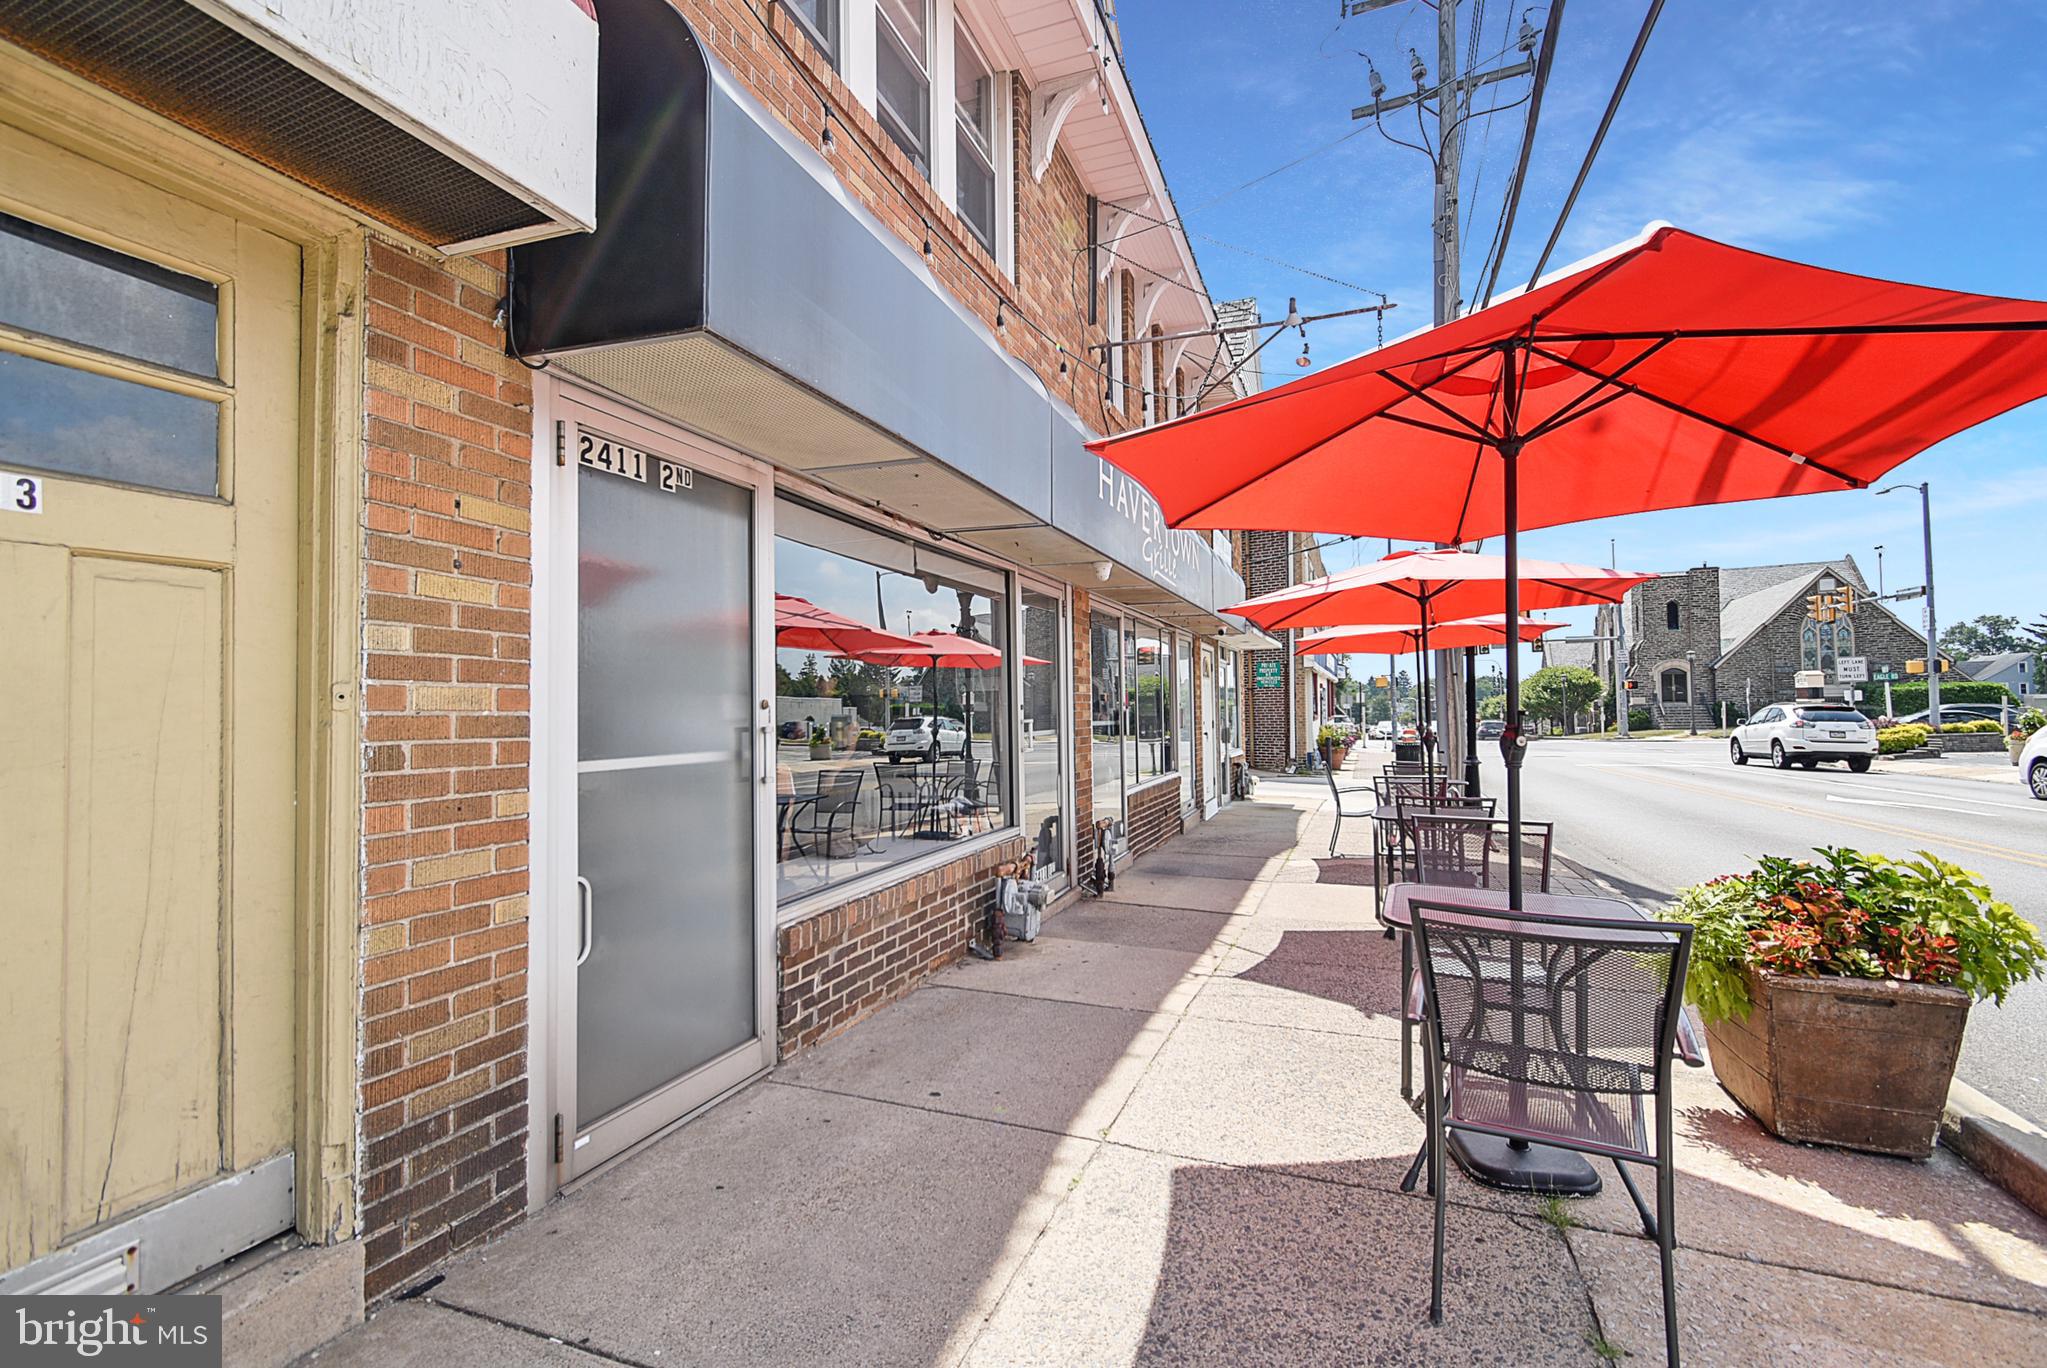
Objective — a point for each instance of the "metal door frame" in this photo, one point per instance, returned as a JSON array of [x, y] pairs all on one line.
[[567, 1149], [1208, 667]]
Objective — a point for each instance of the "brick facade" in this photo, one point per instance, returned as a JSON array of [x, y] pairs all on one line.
[[447, 626], [1154, 816], [848, 962]]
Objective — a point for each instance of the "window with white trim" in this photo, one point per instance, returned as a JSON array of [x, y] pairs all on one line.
[[902, 76], [974, 112], [819, 20]]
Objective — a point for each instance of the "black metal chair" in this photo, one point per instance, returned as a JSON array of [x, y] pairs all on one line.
[[1555, 1031], [838, 797], [1451, 849], [900, 793], [1339, 792]]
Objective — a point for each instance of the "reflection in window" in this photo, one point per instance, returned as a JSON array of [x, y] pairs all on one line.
[[54, 284], [974, 111], [1042, 744], [1149, 691], [1226, 702], [77, 422], [819, 20], [1105, 688], [886, 747]]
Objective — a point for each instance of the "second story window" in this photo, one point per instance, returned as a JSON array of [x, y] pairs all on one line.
[[820, 20], [902, 76], [974, 110], [1671, 617]]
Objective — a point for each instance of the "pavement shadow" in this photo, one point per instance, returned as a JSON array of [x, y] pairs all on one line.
[[1352, 871], [1324, 1264], [1359, 969]]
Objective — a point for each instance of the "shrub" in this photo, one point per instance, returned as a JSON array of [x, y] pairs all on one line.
[[2028, 722], [1978, 727], [1911, 697], [1892, 740], [1852, 915], [1638, 719]]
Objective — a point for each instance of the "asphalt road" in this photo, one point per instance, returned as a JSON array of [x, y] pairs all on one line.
[[1653, 816]]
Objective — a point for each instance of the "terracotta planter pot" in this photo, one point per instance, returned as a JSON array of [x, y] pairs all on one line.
[[1860, 1063]]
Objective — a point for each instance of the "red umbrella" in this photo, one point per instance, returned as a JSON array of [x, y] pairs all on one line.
[[1671, 372], [1391, 640], [803, 626], [941, 650]]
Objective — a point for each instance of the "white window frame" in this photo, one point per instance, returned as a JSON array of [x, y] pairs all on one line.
[[998, 116], [831, 47], [937, 54]]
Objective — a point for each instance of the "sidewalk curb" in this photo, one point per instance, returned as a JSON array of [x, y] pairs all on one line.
[[2000, 1144]]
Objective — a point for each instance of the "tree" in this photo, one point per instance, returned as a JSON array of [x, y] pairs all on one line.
[[1493, 707], [1990, 634], [1560, 690]]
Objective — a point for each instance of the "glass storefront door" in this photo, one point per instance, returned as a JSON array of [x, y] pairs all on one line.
[[668, 981], [1042, 740]]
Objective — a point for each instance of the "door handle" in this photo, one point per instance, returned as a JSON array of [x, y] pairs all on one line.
[[584, 895], [764, 750]]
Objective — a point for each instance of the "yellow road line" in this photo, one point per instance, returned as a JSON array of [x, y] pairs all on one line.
[[2023, 857]]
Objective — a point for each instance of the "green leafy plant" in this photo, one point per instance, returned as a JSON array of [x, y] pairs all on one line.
[[1331, 735], [1910, 736], [1980, 726], [1852, 915], [2028, 722]]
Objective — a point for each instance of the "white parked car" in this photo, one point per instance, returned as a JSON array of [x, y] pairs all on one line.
[[2033, 764], [924, 738], [1788, 734]]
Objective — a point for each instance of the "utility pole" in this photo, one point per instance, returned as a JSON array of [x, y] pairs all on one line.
[[1932, 649], [1620, 649], [1451, 93]]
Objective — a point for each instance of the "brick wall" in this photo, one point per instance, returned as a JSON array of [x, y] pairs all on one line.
[[850, 961], [1154, 814], [446, 608]]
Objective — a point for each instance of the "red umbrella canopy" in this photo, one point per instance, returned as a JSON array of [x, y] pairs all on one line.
[[1674, 371], [1433, 587], [941, 650], [1392, 640], [803, 626]]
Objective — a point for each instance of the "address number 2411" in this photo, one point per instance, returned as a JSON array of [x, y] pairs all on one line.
[[616, 458]]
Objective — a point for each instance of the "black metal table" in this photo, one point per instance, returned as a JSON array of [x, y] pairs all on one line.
[[1497, 1162]]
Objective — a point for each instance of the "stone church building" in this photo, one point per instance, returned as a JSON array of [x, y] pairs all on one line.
[[1740, 635]]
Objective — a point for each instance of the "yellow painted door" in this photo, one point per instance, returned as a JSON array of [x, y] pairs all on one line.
[[149, 381]]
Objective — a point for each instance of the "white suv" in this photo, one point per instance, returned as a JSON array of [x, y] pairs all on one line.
[[924, 737], [1805, 734]]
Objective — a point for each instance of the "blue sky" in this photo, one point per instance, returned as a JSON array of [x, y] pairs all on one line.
[[1906, 141]]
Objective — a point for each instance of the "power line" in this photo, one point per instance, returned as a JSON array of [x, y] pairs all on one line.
[[1620, 89]]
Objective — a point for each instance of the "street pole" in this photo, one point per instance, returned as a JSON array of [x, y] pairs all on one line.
[[1691, 692], [1452, 93], [1932, 650], [1620, 649]]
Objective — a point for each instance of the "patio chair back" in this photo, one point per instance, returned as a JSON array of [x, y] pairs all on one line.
[[1473, 849], [838, 791], [1394, 788], [1551, 1029]]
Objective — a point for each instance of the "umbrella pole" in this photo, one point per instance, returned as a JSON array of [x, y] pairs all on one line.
[[1471, 721], [1516, 747], [1426, 704]]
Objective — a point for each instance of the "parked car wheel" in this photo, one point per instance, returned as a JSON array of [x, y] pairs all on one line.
[[1736, 753], [1859, 763], [895, 758], [1777, 756], [2036, 779]]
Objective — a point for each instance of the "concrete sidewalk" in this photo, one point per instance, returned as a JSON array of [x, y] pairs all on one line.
[[1171, 1132]]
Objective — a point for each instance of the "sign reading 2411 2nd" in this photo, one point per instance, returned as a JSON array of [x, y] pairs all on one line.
[[613, 457]]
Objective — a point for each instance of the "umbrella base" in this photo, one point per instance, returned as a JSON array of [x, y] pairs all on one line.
[[1542, 1169]]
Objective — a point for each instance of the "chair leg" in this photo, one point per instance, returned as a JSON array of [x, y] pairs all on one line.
[[1442, 1191], [1406, 1029], [1414, 1170], [1337, 830], [1666, 1248], [1649, 1223]]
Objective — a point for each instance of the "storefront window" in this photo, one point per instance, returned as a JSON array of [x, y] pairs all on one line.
[[1149, 689], [1105, 687], [883, 754], [1226, 703], [1043, 743]]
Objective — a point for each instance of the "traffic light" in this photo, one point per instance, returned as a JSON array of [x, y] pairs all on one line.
[[1630, 686], [1917, 666]]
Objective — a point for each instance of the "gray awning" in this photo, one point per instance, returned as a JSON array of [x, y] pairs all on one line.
[[735, 286]]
